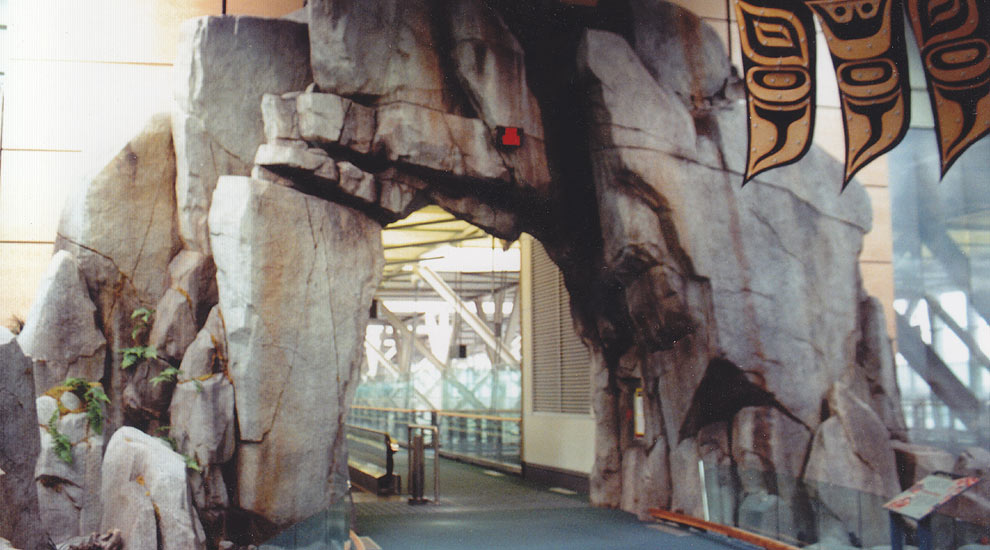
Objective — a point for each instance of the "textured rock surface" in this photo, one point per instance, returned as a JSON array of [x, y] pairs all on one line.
[[19, 446], [490, 66], [184, 306], [224, 66], [914, 462], [692, 251], [68, 493], [680, 51], [850, 460], [284, 353], [121, 227], [145, 496], [382, 50], [202, 414], [60, 335]]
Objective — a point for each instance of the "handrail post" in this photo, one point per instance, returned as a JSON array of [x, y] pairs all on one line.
[[436, 456]]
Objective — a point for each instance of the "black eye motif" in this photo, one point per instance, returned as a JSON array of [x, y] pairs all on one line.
[[840, 11], [868, 8]]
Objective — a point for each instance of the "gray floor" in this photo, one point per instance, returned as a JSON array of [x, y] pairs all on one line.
[[480, 509]]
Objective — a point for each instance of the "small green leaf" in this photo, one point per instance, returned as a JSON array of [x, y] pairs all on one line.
[[128, 361], [192, 463], [62, 445], [199, 386], [167, 375]]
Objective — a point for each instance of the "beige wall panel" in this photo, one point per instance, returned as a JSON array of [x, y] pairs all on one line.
[[878, 244], [21, 267], [54, 105], [711, 9], [263, 8], [104, 30], [33, 189], [878, 279], [829, 135]]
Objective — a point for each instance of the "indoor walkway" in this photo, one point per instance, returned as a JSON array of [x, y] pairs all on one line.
[[482, 509]]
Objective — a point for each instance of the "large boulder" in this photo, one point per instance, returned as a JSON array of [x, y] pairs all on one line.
[[121, 226], [60, 335], [183, 308], [851, 470], [681, 51], [295, 332], [67, 473], [145, 496], [19, 447], [381, 51], [223, 67]]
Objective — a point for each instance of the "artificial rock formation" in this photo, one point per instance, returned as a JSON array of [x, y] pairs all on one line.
[[144, 494], [60, 335], [121, 228], [19, 446], [221, 76], [738, 310], [294, 300], [68, 490]]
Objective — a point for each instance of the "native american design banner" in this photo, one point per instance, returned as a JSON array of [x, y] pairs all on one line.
[[778, 62], [954, 38], [866, 40]]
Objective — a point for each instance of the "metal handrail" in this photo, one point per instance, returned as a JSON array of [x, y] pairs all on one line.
[[436, 455]]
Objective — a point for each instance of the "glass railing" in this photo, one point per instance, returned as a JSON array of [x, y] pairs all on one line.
[[487, 438], [326, 530], [819, 515]]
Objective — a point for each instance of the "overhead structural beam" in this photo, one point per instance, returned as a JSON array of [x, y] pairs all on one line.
[[423, 349], [923, 359], [475, 322], [974, 348], [380, 357]]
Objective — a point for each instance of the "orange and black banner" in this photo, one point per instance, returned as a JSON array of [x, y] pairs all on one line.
[[777, 38], [866, 40], [954, 39]]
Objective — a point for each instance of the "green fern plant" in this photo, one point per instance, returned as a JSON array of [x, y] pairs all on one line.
[[93, 395], [136, 354], [63, 447], [167, 375], [142, 321], [191, 462]]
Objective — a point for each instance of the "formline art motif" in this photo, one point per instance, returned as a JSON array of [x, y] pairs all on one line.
[[867, 43]]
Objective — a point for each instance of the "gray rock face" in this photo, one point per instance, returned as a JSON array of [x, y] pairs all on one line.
[[184, 306], [60, 335], [850, 460], [125, 216], [145, 496], [19, 446], [224, 66], [203, 427], [490, 66], [692, 251], [68, 493], [680, 50], [914, 462], [121, 227], [383, 50], [285, 354]]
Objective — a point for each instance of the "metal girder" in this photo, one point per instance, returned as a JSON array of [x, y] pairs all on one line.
[[967, 338], [923, 359], [428, 354], [379, 356], [475, 322]]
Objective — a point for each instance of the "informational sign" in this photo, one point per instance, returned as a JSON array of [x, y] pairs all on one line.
[[928, 494]]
